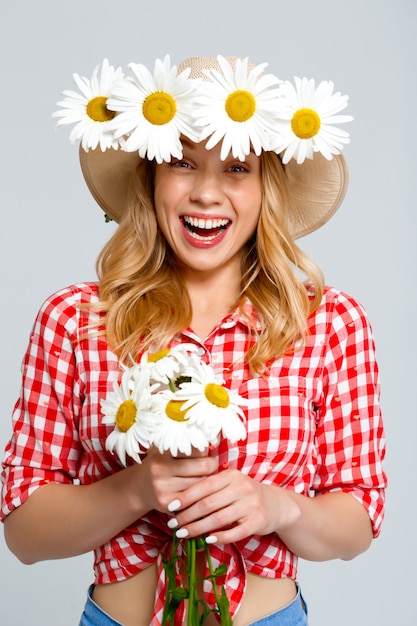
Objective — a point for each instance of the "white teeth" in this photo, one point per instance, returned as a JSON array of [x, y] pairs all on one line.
[[207, 224]]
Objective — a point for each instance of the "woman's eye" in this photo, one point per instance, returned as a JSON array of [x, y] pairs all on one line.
[[237, 168], [180, 164]]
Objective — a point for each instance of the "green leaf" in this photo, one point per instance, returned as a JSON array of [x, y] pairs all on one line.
[[200, 543], [177, 596], [220, 570], [180, 593], [223, 604]]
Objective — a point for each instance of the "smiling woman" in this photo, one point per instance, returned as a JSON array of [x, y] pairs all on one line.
[[209, 385]]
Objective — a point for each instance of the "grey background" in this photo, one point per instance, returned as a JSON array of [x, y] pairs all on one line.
[[52, 231]]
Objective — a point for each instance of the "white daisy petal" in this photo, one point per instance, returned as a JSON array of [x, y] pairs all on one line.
[[337, 119], [84, 85], [323, 94]]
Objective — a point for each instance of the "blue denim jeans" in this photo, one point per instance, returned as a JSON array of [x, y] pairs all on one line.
[[294, 614]]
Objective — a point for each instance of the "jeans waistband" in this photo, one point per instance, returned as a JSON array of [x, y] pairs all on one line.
[[293, 614], [93, 615]]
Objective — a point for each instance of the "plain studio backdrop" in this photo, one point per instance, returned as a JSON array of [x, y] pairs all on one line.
[[52, 231]]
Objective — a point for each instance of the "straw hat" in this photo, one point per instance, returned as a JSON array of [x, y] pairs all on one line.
[[317, 175]]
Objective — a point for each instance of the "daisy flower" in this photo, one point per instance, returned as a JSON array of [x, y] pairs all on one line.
[[172, 430], [212, 407], [154, 110], [166, 365], [307, 119], [239, 107], [129, 409], [87, 109]]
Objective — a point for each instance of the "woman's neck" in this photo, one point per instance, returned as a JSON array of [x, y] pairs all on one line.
[[212, 298]]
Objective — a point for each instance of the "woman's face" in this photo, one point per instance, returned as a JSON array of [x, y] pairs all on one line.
[[206, 208]]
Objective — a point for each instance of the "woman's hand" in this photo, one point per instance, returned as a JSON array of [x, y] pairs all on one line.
[[163, 477], [232, 506]]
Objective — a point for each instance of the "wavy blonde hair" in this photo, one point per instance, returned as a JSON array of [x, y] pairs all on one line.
[[145, 300]]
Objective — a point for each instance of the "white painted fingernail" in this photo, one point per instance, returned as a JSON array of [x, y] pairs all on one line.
[[182, 533], [174, 505], [173, 523], [210, 539]]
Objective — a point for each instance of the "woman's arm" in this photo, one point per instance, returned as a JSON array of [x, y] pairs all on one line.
[[59, 521], [328, 526]]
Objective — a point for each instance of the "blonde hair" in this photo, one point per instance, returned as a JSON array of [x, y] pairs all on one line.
[[145, 300]]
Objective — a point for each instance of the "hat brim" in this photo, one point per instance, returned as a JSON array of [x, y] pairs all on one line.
[[316, 187]]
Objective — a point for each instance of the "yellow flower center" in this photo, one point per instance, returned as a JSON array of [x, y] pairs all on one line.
[[126, 415], [97, 110], [240, 105], [174, 412], [217, 395], [157, 356], [305, 123], [159, 108]]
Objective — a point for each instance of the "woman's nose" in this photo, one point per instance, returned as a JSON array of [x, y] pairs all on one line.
[[207, 189]]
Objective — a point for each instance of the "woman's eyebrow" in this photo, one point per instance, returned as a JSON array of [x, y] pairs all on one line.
[[187, 143]]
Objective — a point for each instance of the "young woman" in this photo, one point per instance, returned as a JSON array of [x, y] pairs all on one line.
[[210, 200]]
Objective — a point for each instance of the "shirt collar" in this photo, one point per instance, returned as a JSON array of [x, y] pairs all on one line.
[[244, 314]]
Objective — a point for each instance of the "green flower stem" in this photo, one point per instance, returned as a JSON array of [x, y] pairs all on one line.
[[171, 576], [177, 594], [212, 573], [192, 597], [222, 601]]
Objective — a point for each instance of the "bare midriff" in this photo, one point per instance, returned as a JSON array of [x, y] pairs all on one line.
[[131, 601]]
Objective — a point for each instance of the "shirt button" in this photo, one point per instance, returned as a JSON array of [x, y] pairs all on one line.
[[228, 323], [200, 351]]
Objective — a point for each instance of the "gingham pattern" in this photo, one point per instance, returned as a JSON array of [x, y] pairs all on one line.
[[314, 426]]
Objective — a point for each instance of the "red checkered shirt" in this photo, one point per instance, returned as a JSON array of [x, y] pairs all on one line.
[[314, 426]]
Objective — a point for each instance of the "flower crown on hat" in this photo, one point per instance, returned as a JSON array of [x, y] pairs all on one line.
[[239, 106]]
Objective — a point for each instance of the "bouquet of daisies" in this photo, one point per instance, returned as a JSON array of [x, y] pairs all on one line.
[[175, 401]]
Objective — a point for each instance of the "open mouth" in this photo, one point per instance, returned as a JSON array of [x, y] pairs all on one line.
[[204, 229]]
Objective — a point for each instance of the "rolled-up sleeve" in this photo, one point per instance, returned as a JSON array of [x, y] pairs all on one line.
[[45, 446], [350, 440]]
